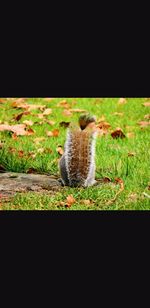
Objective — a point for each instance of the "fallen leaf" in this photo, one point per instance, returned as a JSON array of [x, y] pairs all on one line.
[[120, 182], [53, 133], [118, 114], [2, 101], [122, 101], [131, 153], [34, 107], [60, 150], [19, 116], [29, 132], [118, 133], [106, 179], [47, 111], [40, 150], [147, 116], [147, 104], [70, 200], [64, 124], [20, 153], [67, 113], [19, 129], [31, 154], [20, 104], [130, 135], [86, 202], [64, 104], [27, 122], [144, 123], [38, 140], [50, 122], [40, 115], [103, 125], [133, 197]]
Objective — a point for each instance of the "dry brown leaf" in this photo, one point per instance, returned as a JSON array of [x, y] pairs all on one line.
[[2, 101], [40, 115], [29, 132], [31, 154], [118, 133], [40, 150], [28, 122], [67, 113], [50, 122], [147, 104], [20, 104], [130, 135], [38, 140], [60, 150], [103, 125], [47, 111], [64, 104], [70, 200], [64, 124], [120, 182], [133, 197], [144, 123], [122, 101], [131, 153], [147, 116], [106, 179], [14, 136], [19, 129], [20, 153], [118, 114]]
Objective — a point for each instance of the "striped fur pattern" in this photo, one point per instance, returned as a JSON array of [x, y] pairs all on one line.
[[80, 157]]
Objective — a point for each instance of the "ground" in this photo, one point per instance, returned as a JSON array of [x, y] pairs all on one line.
[[118, 160]]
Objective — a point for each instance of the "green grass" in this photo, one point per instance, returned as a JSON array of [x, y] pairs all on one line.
[[112, 158]]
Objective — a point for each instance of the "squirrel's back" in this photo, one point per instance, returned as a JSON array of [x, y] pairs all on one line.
[[77, 165]]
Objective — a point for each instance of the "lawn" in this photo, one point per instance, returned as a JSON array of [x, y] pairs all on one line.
[[127, 159]]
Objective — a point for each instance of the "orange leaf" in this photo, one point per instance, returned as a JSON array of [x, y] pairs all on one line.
[[29, 132], [53, 133], [70, 200], [20, 153], [120, 182]]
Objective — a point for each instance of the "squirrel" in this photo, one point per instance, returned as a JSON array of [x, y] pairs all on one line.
[[77, 164]]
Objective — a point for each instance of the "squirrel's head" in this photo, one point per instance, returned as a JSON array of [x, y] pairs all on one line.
[[85, 120]]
